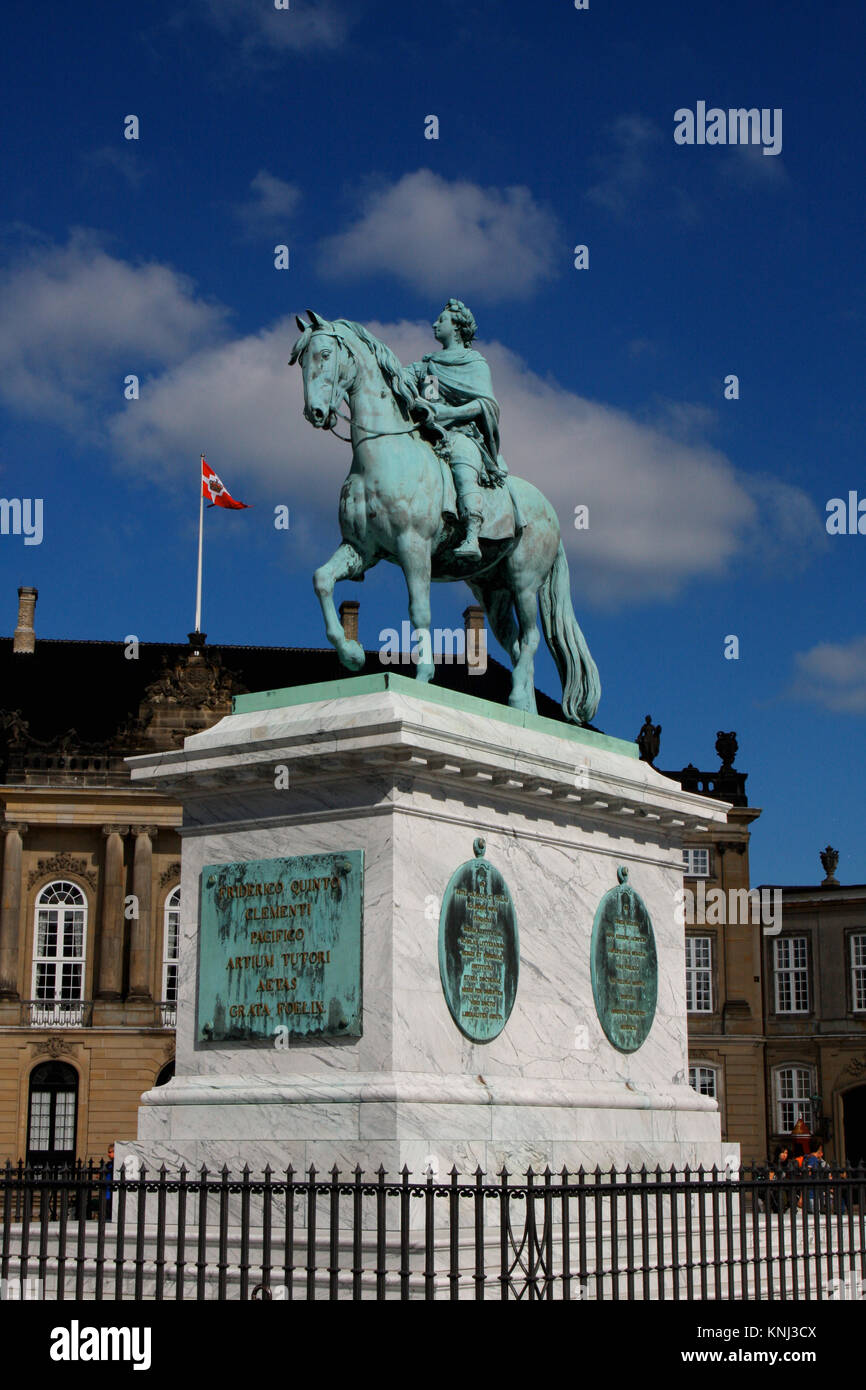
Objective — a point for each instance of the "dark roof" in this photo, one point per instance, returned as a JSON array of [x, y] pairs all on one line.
[[93, 688]]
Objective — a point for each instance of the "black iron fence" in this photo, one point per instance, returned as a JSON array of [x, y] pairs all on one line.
[[84, 1233]]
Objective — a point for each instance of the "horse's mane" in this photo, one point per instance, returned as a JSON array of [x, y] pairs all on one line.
[[388, 362], [403, 387]]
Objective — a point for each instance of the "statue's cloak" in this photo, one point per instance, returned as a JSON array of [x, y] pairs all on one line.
[[464, 376]]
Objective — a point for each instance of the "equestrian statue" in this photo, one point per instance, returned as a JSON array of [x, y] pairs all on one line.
[[429, 490]]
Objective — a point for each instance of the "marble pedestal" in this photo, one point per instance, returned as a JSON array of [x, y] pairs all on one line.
[[412, 775]]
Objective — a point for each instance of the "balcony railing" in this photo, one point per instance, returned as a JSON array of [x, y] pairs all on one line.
[[167, 1013], [78, 1013], [56, 1013]]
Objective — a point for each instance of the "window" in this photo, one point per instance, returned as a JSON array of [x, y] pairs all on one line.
[[703, 1080], [699, 974], [696, 863], [58, 956], [858, 971], [793, 1089], [792, 974], [52, 1114], [170, 942]]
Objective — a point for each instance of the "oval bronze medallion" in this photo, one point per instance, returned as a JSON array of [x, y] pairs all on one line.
[[624, 965], [479, 949]]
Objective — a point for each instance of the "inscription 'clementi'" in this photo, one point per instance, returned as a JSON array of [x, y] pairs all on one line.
[[314, 986]]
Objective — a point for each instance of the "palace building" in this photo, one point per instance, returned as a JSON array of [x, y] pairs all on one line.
[[90, 903], [775, 987]]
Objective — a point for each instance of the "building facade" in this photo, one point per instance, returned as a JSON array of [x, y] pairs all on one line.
[[815, 1017], [723, 957]]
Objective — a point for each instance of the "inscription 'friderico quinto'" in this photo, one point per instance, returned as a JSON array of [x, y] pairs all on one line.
[[624, 966], [479, 950], [280, 947]]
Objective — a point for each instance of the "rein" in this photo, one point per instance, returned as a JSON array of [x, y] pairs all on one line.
[[332, 410]]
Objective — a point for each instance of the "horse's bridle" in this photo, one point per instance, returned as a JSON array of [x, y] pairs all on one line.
[[332, 409]]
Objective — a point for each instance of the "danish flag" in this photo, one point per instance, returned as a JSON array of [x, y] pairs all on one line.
[[214, 491]]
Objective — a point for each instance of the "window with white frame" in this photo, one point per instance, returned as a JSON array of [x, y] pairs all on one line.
[[793, 1092], [699, 974], [59, 938], [791, 974], [704, 1080], [170, 941], [858, 971], [696, 863]]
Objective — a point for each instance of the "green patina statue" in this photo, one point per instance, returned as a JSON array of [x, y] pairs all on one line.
[[429, 490], [457, 381]]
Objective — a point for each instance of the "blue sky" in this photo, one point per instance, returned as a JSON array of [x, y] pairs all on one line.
[[306, 127]]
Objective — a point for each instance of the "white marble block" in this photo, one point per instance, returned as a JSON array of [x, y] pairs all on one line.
[[412, 775]]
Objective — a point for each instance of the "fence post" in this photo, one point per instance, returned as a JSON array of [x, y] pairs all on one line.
[[334, 1236], [479, 1276]]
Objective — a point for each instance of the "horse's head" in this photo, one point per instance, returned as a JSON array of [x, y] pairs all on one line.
[[328, 366]]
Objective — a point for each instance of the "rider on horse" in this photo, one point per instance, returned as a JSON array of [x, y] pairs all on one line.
[[456, 383]]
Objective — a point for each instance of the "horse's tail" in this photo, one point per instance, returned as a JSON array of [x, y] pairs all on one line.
[[581, 687]]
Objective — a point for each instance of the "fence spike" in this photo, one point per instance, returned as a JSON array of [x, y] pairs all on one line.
[[404, 1173], [359, 1172], [335, 1173]]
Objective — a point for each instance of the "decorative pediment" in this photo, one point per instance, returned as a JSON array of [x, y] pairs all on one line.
[[60, 864], [55, 1047], [171, 874]]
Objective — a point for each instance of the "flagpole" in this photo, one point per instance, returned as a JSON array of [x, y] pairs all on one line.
[[200, 530]]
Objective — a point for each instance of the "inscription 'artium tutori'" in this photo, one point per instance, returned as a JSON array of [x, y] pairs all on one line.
[[303, 974]]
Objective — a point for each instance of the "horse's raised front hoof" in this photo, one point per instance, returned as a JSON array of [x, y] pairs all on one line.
[[352, 655]]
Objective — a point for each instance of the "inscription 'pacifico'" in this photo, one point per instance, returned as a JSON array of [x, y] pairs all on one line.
[[624, 964], [479, 950], [280, 948]]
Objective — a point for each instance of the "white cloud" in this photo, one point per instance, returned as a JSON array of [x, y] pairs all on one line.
[[833, 675], [665, 507], [663, 511], [637, 174], [125, 159], [76, 320], [272, 204], [447, 239], [628, 164], [746, 167], [307, 24]]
